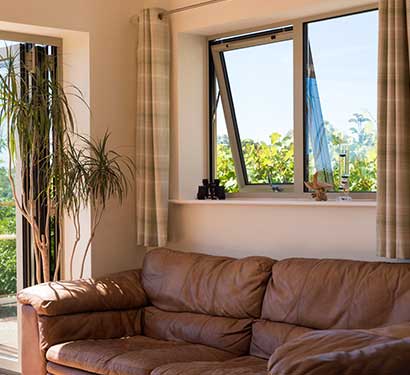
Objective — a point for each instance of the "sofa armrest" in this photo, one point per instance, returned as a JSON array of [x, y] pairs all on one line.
[[56, 312], [122, 291]]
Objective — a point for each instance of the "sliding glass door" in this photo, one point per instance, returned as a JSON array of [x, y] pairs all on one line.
[[17, 266], [8, 240]]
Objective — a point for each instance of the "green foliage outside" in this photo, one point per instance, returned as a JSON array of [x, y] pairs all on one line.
[[8, 261], [276, 159], [8, 267]]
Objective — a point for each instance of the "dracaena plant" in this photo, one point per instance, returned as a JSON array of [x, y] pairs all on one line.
[[61, 171], [94, 174]]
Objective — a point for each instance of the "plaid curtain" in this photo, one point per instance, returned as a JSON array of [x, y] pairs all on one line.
[[152, 158], [393, 196]]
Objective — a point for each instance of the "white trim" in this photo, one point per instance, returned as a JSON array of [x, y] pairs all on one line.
[[298, 125], [277, 202], [31, 38]]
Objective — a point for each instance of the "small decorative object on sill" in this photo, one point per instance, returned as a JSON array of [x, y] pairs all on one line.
[[211, 190], [320, 188], [344, 173], [275, 188]]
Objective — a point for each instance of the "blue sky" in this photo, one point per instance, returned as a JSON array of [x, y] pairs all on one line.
[[345, 56], [4, 158]]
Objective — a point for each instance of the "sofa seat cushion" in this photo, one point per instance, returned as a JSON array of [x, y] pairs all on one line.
[[239, 366], [137, 355], [347, 352]]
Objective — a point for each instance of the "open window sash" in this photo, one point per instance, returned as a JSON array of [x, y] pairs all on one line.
[[218, 49]]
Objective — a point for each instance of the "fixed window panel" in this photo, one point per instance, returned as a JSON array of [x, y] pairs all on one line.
[[341, 99]]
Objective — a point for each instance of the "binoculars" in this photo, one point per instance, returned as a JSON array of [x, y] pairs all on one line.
[[211, 190]]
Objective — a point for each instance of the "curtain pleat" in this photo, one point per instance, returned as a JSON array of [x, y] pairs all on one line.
[[152, 155], [393, 192]]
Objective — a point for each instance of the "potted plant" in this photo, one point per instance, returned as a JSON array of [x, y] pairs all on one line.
[[61, 171]]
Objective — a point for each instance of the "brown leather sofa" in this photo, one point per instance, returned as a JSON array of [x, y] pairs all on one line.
[[194, 314]]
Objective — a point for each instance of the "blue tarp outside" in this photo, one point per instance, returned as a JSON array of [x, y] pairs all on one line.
[[316, 125]]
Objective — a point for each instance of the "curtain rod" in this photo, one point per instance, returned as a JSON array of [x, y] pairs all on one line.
[[134, 19], [189, 7]]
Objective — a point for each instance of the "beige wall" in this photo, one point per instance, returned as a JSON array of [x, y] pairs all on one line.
[[99, 56], [278, 231]]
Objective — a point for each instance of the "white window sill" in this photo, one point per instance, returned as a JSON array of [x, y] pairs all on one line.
[[276, 202]]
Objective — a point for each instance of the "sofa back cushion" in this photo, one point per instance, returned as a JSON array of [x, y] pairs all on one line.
[[219, 286], [337, 294], [229, 334]]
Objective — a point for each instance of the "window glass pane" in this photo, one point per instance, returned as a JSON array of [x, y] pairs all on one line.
[[261, 82], [340, 97], [225, 167]]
